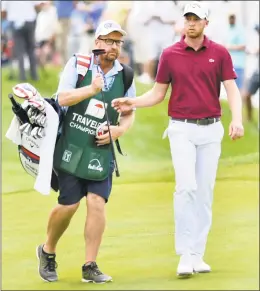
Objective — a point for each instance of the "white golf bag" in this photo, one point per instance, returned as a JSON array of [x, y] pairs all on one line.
[[32, 118]]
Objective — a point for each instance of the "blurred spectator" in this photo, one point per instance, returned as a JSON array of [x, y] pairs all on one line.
[[22, 16], [119, 12], [46, 28], [94, 12], [252, 86], [80, 23], [236, 44], [64, 10], [84, 20], [151, 28], [6, 44]]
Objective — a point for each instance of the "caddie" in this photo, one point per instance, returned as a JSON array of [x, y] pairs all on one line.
[[82, 158]]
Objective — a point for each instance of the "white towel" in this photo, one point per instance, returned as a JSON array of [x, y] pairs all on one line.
[[13, 133], [43, 179]]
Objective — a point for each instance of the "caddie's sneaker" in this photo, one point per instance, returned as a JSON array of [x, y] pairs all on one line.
[[185, 267], [92, 274], [199, 266], [47, 265]]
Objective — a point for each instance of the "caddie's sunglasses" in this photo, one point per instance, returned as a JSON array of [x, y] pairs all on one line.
[[110, 41]]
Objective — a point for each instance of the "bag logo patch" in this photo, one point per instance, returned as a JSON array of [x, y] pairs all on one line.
[[96, 108], [67, 156], [95, 165]]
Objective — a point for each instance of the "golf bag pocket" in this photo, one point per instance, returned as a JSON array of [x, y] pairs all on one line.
[[29, 154], [29, 161], [95, 164]]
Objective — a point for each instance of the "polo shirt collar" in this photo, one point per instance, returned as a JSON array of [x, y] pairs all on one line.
[[114, 71], [204, 44]]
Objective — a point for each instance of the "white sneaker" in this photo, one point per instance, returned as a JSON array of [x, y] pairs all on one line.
[[185, 267], [199, 266]]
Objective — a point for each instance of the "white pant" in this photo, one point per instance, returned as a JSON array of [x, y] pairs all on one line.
[[195, 151]]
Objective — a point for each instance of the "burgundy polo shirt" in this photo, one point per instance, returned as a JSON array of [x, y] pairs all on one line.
[[195, 77]]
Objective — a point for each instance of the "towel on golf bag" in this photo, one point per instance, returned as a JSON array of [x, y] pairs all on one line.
[[46, 149]]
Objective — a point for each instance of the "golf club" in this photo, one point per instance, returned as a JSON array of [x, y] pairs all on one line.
[[96, 53], [18, 110]]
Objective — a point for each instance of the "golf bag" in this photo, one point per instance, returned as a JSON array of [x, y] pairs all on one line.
[[31, 115]]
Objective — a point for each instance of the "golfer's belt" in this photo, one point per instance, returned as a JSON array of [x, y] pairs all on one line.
[[202, 121]]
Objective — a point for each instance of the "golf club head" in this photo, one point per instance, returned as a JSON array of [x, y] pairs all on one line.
[[98, 52]]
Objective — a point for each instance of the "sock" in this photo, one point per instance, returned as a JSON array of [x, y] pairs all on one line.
[[89, 263], [46, 253]]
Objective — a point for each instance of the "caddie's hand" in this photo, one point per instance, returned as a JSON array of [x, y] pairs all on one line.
[[123, 105], [236, 130], [116, 132], [97, 83]]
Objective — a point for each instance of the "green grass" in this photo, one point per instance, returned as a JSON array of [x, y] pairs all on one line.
[[138, 245]]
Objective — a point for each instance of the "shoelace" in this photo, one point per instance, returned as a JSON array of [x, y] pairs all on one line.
[[51, 265], [94, 268]]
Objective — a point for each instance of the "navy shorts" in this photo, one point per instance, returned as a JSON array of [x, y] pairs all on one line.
[[73, 189]]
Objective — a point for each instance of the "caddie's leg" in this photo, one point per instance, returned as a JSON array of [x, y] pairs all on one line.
[[59, 221], [183, 153], [71, 192], [208, 154], [98, 193], [95, 225]]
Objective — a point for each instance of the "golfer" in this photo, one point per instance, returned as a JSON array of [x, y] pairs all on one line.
[[83, 160], [195, 67]]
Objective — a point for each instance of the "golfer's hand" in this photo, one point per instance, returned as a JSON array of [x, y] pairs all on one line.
[[236, 130], [116, 132], [123, 105], [97, 83]]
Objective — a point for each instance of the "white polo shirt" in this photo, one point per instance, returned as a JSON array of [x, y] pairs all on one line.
[[20, 11]]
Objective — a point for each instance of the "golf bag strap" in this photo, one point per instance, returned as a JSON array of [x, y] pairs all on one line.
[[82, 66], [119, 147], [128, 77]]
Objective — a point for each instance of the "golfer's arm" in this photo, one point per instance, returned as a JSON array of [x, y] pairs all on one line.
[[126, 121], [74, 96], [152, 97], [234, 99]]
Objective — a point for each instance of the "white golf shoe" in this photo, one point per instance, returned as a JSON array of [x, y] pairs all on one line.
[[185, 267], [199, 266]]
